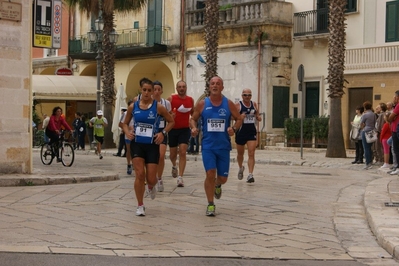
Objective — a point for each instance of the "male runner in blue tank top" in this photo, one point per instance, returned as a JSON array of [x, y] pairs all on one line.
[[215, 112], [247, 133]]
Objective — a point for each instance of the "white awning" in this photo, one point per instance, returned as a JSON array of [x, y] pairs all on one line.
[[53, 87]]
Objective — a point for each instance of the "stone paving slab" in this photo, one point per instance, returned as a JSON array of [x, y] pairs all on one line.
[[279, 227]]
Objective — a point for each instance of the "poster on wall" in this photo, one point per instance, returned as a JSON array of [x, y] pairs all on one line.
[[47, 24]]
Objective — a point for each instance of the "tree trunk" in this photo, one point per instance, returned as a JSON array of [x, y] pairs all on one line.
[[211, 40], [108, 91], [336, 65], [336, 145]]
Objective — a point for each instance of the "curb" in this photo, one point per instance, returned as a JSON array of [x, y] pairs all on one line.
[[42, 180]]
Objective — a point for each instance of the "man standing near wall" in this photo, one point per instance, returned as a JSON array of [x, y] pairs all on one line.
[[182, 107]]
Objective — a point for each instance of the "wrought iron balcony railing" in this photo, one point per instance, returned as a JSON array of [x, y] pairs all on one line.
[[311, 22], [142, 37]]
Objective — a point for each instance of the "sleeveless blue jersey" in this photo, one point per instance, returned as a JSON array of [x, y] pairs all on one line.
[[146, 123], [248, 126], [215, 121]]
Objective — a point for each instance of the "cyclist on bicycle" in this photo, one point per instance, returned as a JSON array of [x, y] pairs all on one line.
[[53, 130]]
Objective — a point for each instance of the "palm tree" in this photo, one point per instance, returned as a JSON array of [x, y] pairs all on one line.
[[211, 40], [107, 8], [336, 65]]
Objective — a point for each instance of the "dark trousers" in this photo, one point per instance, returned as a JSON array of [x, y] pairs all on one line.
[[194, 142], [395, 145], [359, 151], [122, 144], [81, 141]]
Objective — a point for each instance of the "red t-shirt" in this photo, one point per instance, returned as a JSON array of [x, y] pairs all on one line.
[[385, 132], [54, 124], [183, 107]]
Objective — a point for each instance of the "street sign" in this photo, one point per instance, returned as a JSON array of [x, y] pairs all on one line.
[[301, 73], [56, 24], [64, 71]]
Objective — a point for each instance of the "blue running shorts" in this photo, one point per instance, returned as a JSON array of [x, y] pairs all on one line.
[[217, 159]]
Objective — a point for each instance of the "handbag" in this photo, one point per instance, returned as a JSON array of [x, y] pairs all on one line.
[[371, 136], [354, 134]]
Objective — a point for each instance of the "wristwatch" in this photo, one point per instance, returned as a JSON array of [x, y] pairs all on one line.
[[164, 133]]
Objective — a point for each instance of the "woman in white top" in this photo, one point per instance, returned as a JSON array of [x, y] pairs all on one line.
[[358, 141]]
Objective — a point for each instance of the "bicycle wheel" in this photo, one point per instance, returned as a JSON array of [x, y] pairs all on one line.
[[46, 156], [67, 154]]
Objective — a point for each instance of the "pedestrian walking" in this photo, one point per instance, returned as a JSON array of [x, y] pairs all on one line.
[[128, 150], [147, 138], [215, 112], [246, 134], [82, 133], [75, 125], [179, 136]]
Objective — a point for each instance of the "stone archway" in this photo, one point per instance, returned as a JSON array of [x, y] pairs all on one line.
[[154, 70]]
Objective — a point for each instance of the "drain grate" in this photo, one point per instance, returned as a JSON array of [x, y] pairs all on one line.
[[391, 204], [304, 173]]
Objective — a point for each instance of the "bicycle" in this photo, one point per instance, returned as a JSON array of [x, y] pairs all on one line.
[[66, 153]]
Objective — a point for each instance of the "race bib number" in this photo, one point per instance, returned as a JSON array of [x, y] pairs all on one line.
[[99, 126], [216, 125], [161, 123], [144, 130], [249, 119]]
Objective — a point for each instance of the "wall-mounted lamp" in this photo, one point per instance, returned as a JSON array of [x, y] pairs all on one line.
[[325, 105], [189, 65], [233, 63]]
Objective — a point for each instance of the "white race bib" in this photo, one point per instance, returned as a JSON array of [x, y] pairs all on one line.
[[216, 125], [144, 130], [99, 126], [249, 119], [161, 123]]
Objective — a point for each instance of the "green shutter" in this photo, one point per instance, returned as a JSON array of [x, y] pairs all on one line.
[[392, 23], [281, 100]]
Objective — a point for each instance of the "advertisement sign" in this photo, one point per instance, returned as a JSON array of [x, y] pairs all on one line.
[[47, 24]]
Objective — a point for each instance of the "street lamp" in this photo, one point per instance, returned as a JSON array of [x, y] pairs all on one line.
[[96, 36]]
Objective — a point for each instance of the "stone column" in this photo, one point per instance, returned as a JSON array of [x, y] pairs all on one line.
[[15, 89]]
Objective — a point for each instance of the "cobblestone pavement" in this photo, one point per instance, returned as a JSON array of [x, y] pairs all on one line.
[[310, 208]]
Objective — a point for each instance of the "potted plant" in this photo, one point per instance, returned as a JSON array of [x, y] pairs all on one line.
[[223, 11]]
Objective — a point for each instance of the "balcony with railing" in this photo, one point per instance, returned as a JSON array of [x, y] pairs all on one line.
[[311, 23], [127, 39], [372, 59], [242, 13]]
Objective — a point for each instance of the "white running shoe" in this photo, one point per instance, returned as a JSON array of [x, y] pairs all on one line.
[[385, 166], [394, 172], [140, 210], [180, 181], [160, 185], [241, 173], [152, 192]]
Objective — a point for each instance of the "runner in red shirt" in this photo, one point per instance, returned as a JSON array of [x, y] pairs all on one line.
[[179, 136]]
